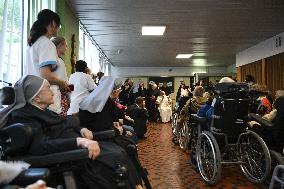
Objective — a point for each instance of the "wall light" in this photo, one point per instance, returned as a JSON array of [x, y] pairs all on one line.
[[199, 62]]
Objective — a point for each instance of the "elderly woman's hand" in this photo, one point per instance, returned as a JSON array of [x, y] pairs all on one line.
[[40, 184], [86, 133], [91, 145]]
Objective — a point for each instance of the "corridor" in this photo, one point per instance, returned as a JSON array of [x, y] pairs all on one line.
[[169, 167]]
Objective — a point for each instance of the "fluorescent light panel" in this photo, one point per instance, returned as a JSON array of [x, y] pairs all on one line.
[[153, 30], [184, 55]]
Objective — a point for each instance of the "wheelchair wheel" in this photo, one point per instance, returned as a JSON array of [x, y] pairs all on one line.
[[192, 146], [255, 157], [184, 136], [174, 121], [276, 159], [208, 158]]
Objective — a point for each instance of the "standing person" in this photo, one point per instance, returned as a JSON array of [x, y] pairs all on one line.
[[99, 77], [182, 88], [62, 103], [131, 97], [124, 94], [166, 89], [42, 56], [153, 93], [142, 92], [83, 85], [165, 107]]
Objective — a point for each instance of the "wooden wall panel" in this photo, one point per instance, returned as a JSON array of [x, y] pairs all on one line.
[[268, 71], [275, 72], [254, 69]]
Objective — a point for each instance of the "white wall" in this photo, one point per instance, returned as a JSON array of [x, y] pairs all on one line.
[[231, 68], [163, 71], [262, 50]]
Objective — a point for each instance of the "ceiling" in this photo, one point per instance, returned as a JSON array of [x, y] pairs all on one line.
[[214, 30]]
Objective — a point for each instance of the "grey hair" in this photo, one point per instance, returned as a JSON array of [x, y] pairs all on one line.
[[117, 84], [58, 40], [226, 80]]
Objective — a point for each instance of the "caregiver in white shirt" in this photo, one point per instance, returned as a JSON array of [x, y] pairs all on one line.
[[83, 86], [42, 57]]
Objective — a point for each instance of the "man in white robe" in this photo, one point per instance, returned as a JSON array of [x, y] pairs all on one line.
[[165, 107]]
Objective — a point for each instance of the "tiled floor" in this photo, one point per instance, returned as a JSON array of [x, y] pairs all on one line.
[[168, 166]]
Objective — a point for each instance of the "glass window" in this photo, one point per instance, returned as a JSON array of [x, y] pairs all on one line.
[[89, 52], [13, 34], [10, 40]]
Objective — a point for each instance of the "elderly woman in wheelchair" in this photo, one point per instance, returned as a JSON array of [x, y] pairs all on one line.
[[270, 128], [52, 138], [183, 125], [228, 141]]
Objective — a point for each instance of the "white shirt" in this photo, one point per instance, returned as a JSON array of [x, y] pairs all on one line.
[[41, 53], [60, 73], [183, 92], [83, 84]]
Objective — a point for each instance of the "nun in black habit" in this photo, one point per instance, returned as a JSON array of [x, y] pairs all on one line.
[[53, 133]]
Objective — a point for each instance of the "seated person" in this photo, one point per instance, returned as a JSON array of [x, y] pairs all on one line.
[[271, 115], [83, 85], [53, 133], [98, 111], [193, 104], [273, 136], [139, 116], [40, 184], [9, 170], [119, 110], [165, 107], [263, 104], [205, 111]]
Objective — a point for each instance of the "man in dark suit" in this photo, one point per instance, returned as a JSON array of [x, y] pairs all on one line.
[[139, 114]]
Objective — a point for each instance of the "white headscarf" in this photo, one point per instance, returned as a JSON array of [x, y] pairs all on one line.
[[97, 99], [25, 90]]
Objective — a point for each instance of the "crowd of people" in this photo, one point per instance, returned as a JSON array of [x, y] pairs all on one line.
[[65, 113], [200, 102]]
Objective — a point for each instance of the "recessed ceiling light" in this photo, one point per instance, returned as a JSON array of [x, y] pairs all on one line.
[[184, 55], [199, 62], [153, 30]]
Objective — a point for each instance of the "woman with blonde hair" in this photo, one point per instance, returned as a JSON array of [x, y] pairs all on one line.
[[61, 97]]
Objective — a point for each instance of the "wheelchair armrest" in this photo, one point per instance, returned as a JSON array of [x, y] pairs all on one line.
[[200, 120], [260, 120], [30, 176], [55, 158], [15, 138], [103, 135]]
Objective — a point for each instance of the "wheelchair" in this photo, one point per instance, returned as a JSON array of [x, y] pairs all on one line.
[[228, 141], [273, 142], [175, 121]]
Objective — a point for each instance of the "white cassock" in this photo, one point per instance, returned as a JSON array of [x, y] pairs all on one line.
[[165, 108]]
